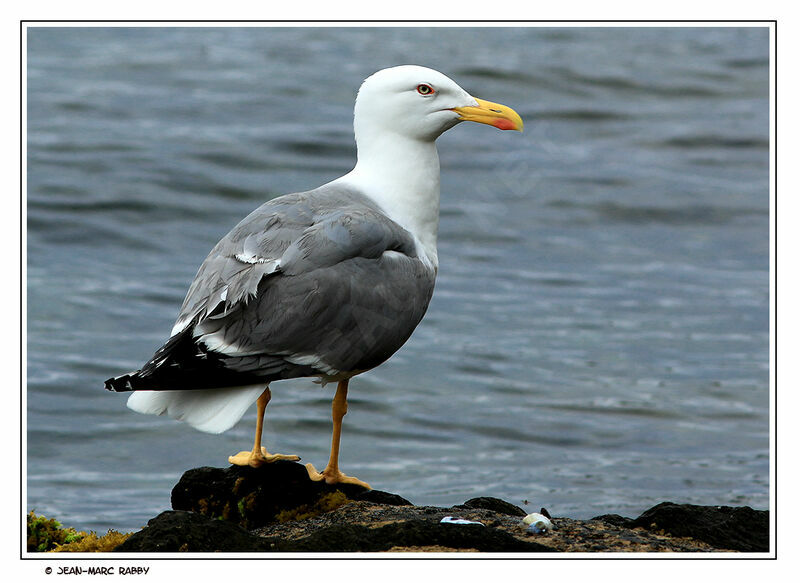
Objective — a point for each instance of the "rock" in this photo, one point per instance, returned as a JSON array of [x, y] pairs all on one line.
[[495, 505], [252, 497], [725, 527], [179, 531], [410, 533], [380, 497], [614, 519], [278, 508]]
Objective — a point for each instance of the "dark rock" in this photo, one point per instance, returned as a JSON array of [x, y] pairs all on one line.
[[284, 511], [725, 527], [381, 497], [252, 497], [495, 505], [411, 533], [180, 531], [614, 519]]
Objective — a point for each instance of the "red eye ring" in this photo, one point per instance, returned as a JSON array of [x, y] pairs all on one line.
[[425, 89]]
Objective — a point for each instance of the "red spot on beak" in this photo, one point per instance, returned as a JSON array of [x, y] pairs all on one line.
[[503, 124]]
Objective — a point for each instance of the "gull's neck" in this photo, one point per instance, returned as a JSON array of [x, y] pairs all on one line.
[[402, 175]]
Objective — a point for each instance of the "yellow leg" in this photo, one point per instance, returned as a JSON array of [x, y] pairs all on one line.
[[331, 473], [259, 456]]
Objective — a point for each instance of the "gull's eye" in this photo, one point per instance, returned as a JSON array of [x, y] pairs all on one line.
[[425, 89]]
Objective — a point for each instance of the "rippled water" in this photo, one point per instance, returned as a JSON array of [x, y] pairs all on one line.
[[599, 336]]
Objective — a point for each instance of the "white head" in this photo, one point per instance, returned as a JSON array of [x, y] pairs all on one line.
[[420, 103], [399, 113]]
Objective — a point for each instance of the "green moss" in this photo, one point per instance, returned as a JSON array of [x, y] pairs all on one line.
[[325, 503], [91, 543], [45, 533], [74, 537], [245, 506]]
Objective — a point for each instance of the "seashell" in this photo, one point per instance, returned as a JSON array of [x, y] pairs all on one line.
[[538, 523]]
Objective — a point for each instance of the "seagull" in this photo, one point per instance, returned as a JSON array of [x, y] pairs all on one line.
[[327, 283]]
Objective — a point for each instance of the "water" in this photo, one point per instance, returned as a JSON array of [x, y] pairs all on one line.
[[599, 336]]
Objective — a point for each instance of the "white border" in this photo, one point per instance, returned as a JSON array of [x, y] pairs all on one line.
[[179, 567]]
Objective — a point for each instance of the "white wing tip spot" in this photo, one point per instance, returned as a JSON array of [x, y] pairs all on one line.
[[252, 259]]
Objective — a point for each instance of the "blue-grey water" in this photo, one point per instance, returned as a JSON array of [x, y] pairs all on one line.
[[599, 336]]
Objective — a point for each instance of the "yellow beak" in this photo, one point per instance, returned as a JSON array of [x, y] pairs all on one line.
[[493, 114]]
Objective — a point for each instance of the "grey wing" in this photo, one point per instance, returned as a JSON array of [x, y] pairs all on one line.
[[313, 284], [345, 295], [231, 272]]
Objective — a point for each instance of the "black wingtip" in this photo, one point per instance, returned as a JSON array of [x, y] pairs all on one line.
[[120, 384], [109, 385]]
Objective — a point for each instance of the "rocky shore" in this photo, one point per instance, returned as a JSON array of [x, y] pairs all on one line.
[[276, 508]]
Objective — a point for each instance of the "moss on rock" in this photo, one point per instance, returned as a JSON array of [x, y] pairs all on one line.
[[48, 535]]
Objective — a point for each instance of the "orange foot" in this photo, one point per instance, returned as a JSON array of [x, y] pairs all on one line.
[[256, 458], [333, 477]]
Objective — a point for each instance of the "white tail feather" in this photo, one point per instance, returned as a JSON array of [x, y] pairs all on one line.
[[209, 410]]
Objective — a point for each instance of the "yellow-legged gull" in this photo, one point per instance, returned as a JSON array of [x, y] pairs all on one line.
[[327, 283]]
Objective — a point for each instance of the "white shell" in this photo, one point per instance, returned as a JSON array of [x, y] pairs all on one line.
[[538, 523]]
